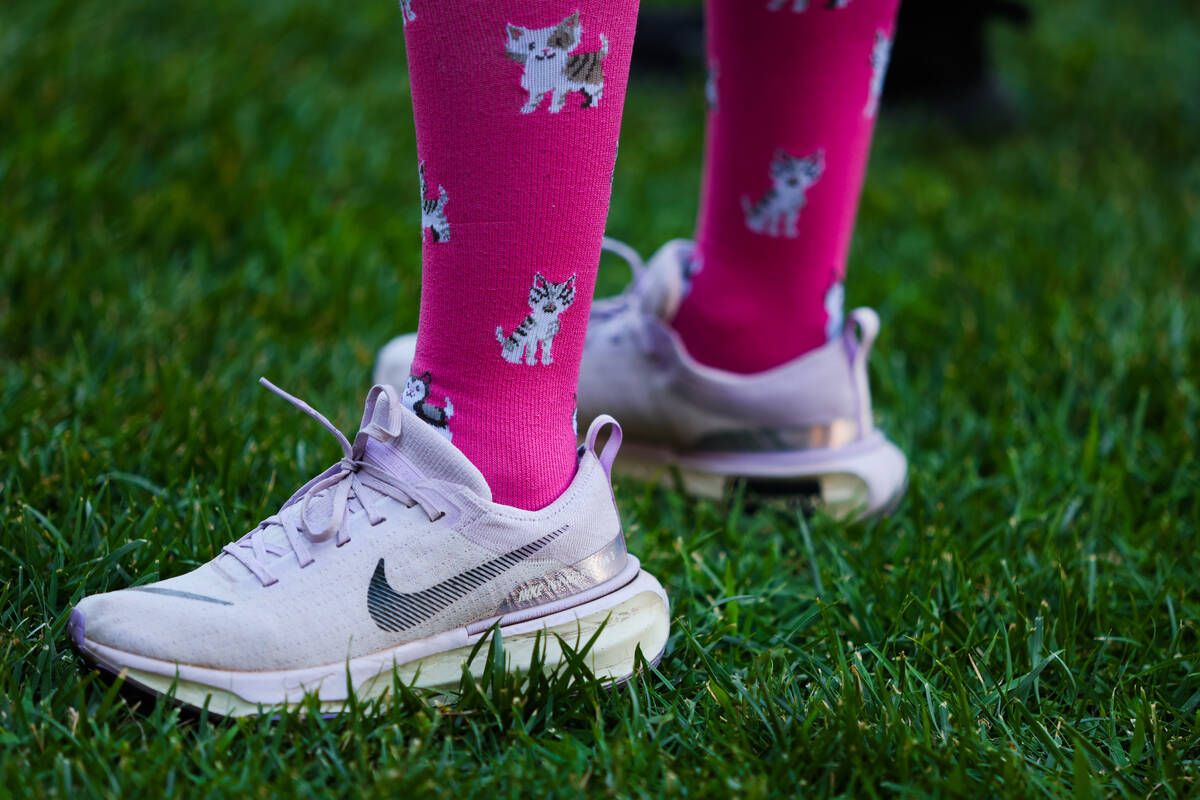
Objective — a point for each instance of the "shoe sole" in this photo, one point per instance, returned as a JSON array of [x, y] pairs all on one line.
[[861, 480], [632, 618]]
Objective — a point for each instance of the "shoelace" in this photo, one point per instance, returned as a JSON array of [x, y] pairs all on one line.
[[609, 307], [346, 479]]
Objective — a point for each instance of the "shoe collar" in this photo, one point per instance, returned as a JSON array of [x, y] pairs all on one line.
[[412, 449]]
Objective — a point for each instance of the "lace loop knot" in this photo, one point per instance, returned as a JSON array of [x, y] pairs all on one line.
[[319, 520]]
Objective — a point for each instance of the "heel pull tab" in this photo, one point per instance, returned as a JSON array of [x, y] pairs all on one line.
[[609, 453], [381, 417], [858, 337]]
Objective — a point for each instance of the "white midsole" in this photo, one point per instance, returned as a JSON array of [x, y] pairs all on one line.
[[632, 617], [854, 482]]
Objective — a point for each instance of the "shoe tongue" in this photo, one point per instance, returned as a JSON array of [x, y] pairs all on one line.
[[662, 285], [399, 442]]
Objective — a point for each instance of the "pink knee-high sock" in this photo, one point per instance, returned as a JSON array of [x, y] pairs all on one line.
[[793, 93], [517, 107]]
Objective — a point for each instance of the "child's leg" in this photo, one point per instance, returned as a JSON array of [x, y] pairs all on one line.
[[517, 108], [796, 94]]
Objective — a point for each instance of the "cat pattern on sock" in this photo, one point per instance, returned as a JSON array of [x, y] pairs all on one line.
[[546, 302], [406, 12], [800, 6], [881, 53], [776, 212], [433, 210], [551, 68], [416, 389]]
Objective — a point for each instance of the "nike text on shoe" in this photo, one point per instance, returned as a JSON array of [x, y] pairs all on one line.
[[393, 559]]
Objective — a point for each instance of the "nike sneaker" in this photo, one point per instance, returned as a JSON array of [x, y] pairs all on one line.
[[802, 433], [394, 560]]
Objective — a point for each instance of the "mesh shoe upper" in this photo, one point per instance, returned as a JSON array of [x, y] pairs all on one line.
[[398, 541], [636, 368]]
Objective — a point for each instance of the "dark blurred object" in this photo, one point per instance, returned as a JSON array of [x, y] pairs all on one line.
[[669, 39], [940, 61]]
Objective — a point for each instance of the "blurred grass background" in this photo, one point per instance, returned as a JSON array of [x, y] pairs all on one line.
[[194, 194]]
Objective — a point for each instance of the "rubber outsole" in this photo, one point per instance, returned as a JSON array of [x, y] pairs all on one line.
[[631, 619], [859, 481]]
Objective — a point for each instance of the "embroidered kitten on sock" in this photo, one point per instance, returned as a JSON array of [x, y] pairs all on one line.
[[433, 210], [416, 389], [800, 6], [406, 12], [775, 214], [546, 302], [551, 68], [881, 53]]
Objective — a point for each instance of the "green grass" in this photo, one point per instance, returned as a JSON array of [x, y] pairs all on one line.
[[194, 194]]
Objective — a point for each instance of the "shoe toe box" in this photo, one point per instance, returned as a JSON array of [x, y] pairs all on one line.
[[141, 623], [170, 624]]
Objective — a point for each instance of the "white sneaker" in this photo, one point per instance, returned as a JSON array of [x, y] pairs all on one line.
[[395, 558], [801, 430]]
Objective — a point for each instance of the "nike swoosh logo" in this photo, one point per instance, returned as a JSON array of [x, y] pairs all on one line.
[[176, 593], [399, 611]]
